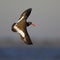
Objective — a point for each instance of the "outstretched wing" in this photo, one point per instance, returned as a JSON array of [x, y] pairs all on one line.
[[26, 13], [22, 20], [26, 37], [20, 26]]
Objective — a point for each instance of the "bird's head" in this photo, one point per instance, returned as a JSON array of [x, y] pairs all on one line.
[[30, 23]]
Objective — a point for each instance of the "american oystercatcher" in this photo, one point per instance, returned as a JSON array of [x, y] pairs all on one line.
[[21, 26]]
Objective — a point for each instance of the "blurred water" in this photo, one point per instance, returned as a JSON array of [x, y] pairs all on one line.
[[30, 53]]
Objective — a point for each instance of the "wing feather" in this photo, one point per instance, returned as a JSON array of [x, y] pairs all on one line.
[[23, 33], [26, 39], [20, 26]]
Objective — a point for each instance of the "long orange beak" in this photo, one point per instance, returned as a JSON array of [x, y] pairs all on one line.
[[33, 24]]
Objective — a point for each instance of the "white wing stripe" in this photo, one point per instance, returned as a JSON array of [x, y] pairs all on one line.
[[19, 31], [20, 19]]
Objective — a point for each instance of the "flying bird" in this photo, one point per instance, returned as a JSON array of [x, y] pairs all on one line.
[[21, 26]]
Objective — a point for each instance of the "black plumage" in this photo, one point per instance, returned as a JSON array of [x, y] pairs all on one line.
[[22, 24]]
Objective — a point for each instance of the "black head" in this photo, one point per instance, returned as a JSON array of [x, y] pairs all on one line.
[[29, 23], [26, 13]]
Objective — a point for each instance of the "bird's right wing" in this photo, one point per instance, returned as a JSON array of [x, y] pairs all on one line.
[[26, 37]]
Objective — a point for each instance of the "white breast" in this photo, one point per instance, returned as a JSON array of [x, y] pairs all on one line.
[[19, 31]]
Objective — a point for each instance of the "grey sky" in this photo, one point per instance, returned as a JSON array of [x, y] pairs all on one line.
[[45, 14]]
